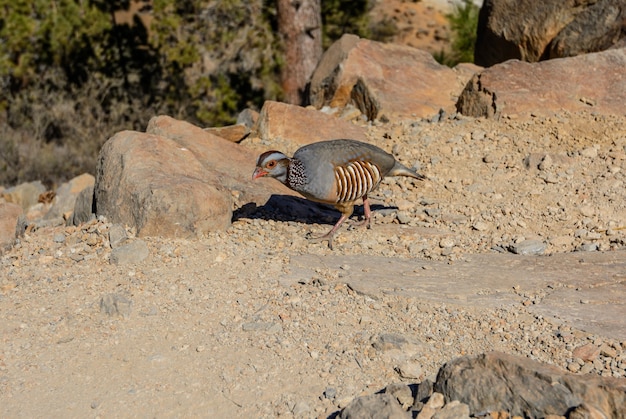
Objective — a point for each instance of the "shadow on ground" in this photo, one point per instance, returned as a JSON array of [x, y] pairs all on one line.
[[292, 208]]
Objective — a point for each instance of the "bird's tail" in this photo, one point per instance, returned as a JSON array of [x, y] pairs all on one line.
[[401, 170]]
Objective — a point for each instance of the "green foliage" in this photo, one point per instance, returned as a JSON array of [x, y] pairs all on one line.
[[71, 75], [463, 23], [344, 16]]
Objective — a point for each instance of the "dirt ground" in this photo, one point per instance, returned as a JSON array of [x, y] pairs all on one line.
[[228, 325]]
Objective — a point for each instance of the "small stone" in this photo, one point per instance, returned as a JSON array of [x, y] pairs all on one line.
[[546, 162], [480, 226], [528, 247], [59, 238], [446, 243], [116, 304], [117, 235], [402, 393], [403, 217], [454, 410], [262, 327], [606, 350], [573, 367], [410, 370], [301, 408], [590, 152], [587, 247], [587, 353], [330, 393], [436, 401], [130, 253]]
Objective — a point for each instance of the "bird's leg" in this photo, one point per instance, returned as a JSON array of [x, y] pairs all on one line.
[[346, 212], [367, 214]]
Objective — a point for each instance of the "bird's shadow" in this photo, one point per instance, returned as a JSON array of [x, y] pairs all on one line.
[[293, 208]]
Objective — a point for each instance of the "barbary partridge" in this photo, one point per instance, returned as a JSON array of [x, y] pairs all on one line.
[[336, 172]]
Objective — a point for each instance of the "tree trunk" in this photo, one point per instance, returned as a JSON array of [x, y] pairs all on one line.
[[300, 27]]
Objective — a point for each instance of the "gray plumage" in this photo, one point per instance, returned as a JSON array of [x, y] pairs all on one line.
[[336, 172]]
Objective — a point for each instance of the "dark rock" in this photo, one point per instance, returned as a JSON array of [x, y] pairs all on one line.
[[533, 31], [374, 406], [500, 382], [83, 207], [422, 393]]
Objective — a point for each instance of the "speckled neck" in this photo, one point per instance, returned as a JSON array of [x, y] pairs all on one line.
[[296, 178]]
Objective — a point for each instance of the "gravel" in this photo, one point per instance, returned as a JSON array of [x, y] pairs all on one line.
[[206, 327]]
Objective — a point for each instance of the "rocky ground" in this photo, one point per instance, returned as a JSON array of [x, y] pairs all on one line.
[[97, 322]]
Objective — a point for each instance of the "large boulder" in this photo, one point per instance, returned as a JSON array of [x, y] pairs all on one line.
[[288, 127], [537, 30], [175, 180], [496, 382], [387, 80], [595, 82], [153, 184]]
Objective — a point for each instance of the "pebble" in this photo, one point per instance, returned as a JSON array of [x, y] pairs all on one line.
[[528, 247], [116, 305], [338, 324], [131, 253]]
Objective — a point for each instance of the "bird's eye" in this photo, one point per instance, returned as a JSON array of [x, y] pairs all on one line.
[[271, 164]]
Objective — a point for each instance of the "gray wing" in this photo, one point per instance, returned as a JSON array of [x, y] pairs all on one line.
[[321, 160]]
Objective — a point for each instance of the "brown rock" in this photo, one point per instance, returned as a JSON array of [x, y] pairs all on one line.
[[234, 133], [587, 353], [176, 180], [151, 183], [592, 81], [227, 164], [521, 386], [533, 31], [585, 411], [288, 127], [384, 80], [66, 194], [25, 194], [11, 224]]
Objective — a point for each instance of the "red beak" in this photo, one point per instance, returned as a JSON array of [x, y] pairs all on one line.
[[258, 172]]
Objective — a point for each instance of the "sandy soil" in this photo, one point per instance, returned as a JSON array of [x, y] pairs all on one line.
[[213, 327]]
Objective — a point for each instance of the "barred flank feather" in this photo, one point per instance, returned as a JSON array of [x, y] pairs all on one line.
[[356, 179]]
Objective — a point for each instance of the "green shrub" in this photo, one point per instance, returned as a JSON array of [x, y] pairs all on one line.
[[463, 24], [71, 76]]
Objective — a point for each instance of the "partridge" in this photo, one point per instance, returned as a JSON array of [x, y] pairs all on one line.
[[336, 172]]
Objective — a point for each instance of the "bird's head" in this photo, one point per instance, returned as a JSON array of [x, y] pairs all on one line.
[[273, 164]]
